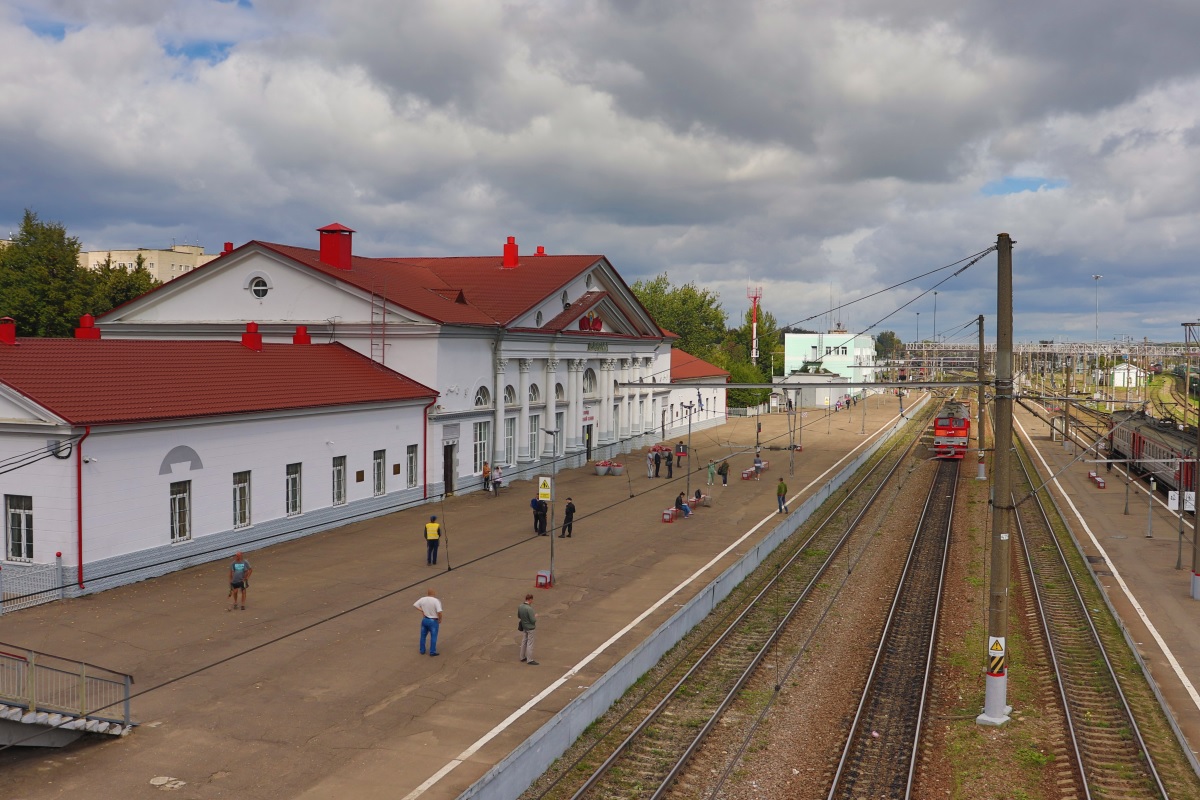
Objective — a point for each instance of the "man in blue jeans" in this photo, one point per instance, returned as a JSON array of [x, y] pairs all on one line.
[[431, 619]]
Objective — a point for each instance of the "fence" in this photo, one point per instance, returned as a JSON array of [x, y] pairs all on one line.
[[22, 586], [42, 682]]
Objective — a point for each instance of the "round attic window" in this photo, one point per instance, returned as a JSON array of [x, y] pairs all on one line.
[[259, 287]]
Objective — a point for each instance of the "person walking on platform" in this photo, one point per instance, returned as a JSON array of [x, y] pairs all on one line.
[[649, 464], [497, 480], [781, 496], [723, 471], [527, 625], [670, 470], [757, 466], [487, 477], [712, 472], [657, 462], [239, 580], [568, 520], [433, 538], [431, 620]]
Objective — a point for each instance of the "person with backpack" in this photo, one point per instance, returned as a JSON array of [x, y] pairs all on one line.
[[723, 471]]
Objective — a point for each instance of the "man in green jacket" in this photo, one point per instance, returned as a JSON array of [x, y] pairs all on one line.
[[781, 496], [527, 624]]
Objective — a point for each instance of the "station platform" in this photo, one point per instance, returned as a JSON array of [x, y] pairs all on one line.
[[317, 690], [1138, 574]]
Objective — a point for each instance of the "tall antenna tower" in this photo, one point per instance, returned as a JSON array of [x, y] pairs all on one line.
[[755, 295]]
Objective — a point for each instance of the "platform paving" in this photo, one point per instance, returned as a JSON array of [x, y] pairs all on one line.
[[1137, 573], [317, 689]]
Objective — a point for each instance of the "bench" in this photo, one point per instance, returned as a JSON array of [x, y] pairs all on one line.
[[766, 464], [748, 474], [669, 514], [705, 500], [1099, 483]]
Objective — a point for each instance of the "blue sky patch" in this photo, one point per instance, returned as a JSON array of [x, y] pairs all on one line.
[[211, 51], [1016, 185], [47, 28]]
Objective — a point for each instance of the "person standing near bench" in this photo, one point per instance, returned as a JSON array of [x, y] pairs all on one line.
[[712, 472], [527, 625], [758, 467]]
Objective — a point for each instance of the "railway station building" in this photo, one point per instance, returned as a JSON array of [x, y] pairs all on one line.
[[516, 359]]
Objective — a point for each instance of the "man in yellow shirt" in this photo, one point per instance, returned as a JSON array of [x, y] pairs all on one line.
[[433, 538]]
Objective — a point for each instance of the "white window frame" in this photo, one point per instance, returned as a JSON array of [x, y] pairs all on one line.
[[560, 443], [379, 473], [481, 434], [510, 440], [412, 466], [292, 485], [535, 435], [181, 511], [18, 527], [241, 499], [339, 480]]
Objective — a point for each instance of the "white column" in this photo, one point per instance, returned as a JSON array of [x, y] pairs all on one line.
[[548, 442], [523, 453], [498, 454], [625, 429], [575, 404], [604, 428]]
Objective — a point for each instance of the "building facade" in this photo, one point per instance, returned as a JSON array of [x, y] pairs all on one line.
[[164, 265]]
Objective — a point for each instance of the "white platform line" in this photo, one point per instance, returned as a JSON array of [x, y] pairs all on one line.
[[1162, 645], [457, 761]]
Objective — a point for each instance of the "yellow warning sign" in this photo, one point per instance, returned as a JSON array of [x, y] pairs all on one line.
[[545, 488], [995, 646]]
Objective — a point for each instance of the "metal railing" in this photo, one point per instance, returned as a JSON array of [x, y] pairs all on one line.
[[43, 682], [22, 586]]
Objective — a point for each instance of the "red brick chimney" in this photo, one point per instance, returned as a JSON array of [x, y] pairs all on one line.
[[510, 254], [252, 338], [87, 328], [8, 331], [336, 240]]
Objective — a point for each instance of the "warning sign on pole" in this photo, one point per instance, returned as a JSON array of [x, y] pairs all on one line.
[[545, 487]]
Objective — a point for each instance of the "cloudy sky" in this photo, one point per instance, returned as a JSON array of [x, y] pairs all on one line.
[[814, 149]]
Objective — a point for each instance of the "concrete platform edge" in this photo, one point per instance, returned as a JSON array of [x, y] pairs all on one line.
[[514, 774]]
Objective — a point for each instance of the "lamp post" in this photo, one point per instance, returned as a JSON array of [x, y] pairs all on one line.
[[553, 472], [689, 407], [935, 335], [1150, 509]]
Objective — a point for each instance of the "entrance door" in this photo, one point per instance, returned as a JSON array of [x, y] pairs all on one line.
[[448, 468], [587, 440]]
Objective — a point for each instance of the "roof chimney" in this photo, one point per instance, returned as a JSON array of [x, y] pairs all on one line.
[[252, 338], [87, 328], [510, 254], [301, 335], [541, 251], [8, 331], [228, 248], [336, 241]]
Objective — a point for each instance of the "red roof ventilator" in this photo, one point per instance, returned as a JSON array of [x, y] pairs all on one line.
[[8, 330], [87, 328], [252, 338], [510, 254], [336, 241]]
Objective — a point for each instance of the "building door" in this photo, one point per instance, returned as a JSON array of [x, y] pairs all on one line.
[[448, 468], [587, 440]]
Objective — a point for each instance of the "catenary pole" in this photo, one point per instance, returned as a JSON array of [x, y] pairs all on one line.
[[995, 707], [979, 418]]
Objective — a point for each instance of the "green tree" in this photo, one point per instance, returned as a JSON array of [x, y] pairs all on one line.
[[40, 279], [745, 372], [770, 342], [887, 345], [110, 286], [693, 314]]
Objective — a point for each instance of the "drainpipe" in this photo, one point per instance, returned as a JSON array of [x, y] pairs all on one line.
[[425, 447], [87, 430]]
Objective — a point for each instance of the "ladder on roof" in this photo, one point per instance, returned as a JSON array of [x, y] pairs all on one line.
[[378, 328]]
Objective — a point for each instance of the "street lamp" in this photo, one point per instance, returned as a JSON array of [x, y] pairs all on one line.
[[935, 335], [1096, 283], [689, 407], [1150, 509], [553, 434]]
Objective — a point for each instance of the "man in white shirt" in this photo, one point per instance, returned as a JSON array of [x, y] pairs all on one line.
[[431, 619]]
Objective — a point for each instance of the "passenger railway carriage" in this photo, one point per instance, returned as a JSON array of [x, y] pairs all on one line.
[[951, 430], [1154, 447]]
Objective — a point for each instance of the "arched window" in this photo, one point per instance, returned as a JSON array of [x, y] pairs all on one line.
[[559, 392], [588, 281], [535, 394], [566, 303], [483, 398], [589, 381], [539, 319], [510, 396]]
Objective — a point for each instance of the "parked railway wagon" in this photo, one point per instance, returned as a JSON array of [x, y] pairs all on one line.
[[1184, 374], [1154, 447], [951, 430]]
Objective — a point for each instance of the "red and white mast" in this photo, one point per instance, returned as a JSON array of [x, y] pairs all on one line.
[[754, 294]]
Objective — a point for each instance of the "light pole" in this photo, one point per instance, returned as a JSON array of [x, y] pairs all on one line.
[[553, 472], [689, 407], [1150, 509], [1096, 337], [935, 335]]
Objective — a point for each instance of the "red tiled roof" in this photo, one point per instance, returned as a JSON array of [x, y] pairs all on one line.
[[431, 287], [685, 366], [109, 381]]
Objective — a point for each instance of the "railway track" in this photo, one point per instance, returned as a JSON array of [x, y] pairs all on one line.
[[650, 746], [880, 754], [1102, 753]]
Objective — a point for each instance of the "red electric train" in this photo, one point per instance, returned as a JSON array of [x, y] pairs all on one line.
[[951, 430]]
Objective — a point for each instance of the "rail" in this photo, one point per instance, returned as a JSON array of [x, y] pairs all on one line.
[[42, 682]]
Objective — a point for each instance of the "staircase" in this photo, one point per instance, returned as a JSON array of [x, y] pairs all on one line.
[[47, 701]]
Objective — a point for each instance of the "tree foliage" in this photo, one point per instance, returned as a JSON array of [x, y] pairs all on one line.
[[746, 372], [45, 290], [770, 341], [693, 314], [888, 345]]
